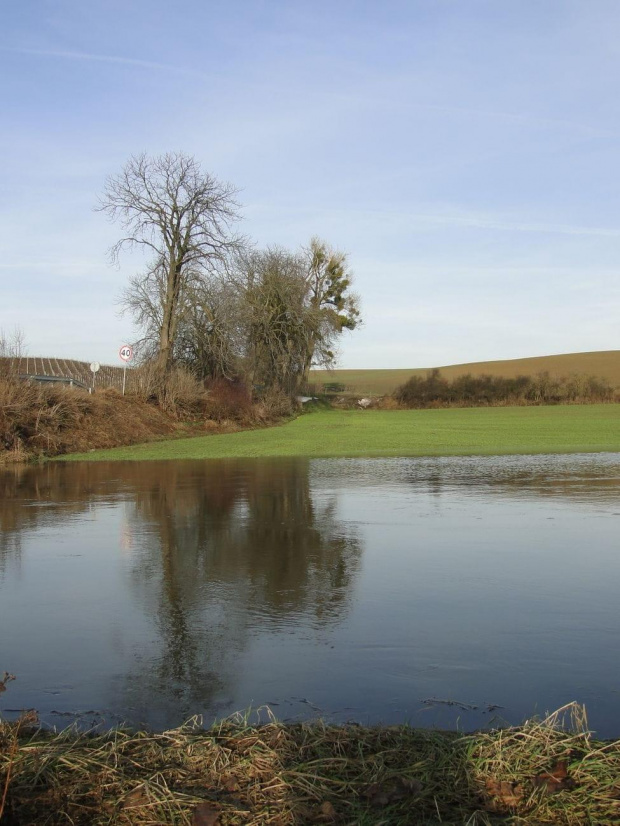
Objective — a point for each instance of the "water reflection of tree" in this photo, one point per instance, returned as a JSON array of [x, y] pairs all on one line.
[[224, 550], [232, 549]]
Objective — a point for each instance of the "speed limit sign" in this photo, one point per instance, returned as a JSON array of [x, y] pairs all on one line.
[[126, 352]]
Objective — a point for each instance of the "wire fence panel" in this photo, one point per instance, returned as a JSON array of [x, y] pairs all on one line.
[[107, 376]]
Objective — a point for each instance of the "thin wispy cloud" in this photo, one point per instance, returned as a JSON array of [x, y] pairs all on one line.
[[422, 221], [489, 223], [104, 58], [526, 118], [463, 160]]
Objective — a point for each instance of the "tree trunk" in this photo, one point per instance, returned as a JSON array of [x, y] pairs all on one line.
[[168, 325]]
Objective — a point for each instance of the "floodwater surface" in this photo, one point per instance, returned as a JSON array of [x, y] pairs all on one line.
[[449, 592]]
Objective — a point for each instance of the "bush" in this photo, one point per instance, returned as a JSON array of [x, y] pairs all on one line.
[[183, 395], [482, 391], [274, 404], [47, 420], [228, 400]]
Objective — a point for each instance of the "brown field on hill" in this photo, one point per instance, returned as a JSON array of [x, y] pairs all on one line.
[[604, 364]]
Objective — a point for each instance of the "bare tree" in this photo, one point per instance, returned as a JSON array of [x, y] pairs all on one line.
[[276, 322], [210, 339], [13, 349], [184, 218], [13, 345]]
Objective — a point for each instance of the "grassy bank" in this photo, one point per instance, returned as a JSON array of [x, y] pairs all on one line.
[[547, 772], [40, 421], [453, 432]]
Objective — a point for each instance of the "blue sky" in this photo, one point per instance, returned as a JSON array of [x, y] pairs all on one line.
[[463, 153]]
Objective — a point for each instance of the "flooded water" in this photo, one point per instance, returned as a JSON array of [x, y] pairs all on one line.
[[442, 592]]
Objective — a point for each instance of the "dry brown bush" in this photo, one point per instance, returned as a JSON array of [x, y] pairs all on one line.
[[275, 404], [388, 403], [183, 396], [229, 401], [47, 420]]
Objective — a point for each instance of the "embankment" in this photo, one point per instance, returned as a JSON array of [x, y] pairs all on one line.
[[552, 771], [40, 421]]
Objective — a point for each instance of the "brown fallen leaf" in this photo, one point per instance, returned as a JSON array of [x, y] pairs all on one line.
[[135, 798], [504, 794], [555, 780], [325, 813], [206, 814], [230, 783]]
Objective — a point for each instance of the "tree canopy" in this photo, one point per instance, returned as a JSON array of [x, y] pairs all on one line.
[[184, 218], [207, 298]]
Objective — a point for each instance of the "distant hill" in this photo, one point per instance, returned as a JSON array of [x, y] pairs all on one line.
[[604, 364]]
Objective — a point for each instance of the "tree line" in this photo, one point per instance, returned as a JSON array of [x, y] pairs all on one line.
[[434, 390], [208, 299]]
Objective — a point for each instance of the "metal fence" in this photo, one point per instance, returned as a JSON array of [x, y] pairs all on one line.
[[107, 376]]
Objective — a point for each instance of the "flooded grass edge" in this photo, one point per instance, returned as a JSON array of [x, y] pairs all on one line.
[[545, 771]]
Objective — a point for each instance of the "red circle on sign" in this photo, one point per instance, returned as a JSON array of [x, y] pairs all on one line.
[[126, 352]]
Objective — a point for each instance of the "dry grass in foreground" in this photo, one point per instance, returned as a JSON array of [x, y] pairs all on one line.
[[544, 772]]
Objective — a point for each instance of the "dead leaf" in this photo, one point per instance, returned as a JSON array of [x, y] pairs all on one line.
[[135, 798], [206, 814], [325, 813], [555, 780], [230, 783], [504, 793]]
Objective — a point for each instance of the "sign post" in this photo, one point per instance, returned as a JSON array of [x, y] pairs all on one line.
[[126, 354], [94, 366]]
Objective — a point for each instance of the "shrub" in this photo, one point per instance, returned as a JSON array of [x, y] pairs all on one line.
[[479, 391], [333, 387], [183, 395], [273, 405], [47, 420], [228, 400]]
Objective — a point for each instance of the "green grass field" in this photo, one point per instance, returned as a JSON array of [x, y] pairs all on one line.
[[451, 432], [604, 364]]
